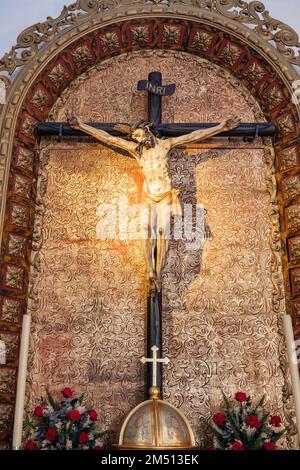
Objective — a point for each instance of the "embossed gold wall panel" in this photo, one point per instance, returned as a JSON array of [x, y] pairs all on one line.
[[221, 304]]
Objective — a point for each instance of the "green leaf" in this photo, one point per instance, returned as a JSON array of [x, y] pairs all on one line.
[[100, 434], [81, 398], [264, 418], [256, 444], [217, 432], [260, 403], [279, 435], [53, 403], [29, 424], [227, 402]]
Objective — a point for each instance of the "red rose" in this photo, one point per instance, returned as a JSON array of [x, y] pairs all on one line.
[[98, 448], [269, 446], [275, 421], [51, 435], [83, 438], [39, 411], [253, 421], [237, 445], [67, 392], [241, 396], [30, 445], [93, 415], [74, 415], [219, 419]]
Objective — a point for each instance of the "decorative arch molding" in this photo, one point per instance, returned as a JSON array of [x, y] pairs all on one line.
[[48, 56]]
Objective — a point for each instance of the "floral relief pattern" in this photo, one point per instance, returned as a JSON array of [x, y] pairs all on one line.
[[16, 245], [109, 41], [293, 217], [25, 160], [58, 75], [140, 34], [11, 342], [10, 310], [19, 215], [7, 380], [14, 276], [81, 55], [220, 315], [254, 73], [202, 41], [291, 186], [289, 158], [231, 54], [22, 186]]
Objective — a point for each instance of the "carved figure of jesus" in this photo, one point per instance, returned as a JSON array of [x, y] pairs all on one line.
[[151, 153]]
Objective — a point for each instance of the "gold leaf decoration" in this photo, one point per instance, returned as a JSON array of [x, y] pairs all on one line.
[[16, 245], [202, 41], [109, 41], [40, 100], [286, 125], [28, 127], [7, 380], [10, 311], [140, 35], [289, 158], [293, 216], [272, 98], [254, 73], [81, 55], [58, 75], [171, 34], [14, 277], [230, 54], [25, 159], [19, 215], [291, 186], [22, 187]]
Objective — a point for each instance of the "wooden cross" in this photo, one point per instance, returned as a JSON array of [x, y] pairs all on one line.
[[156, 90], [155, 361]]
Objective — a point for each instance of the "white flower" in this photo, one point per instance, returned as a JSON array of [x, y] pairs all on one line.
[[277, 429], [81, 409], [69, 444]]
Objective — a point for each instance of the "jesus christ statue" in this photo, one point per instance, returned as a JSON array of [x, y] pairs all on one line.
[[151, 153]]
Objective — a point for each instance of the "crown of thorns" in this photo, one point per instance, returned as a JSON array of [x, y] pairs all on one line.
[[129, 129]]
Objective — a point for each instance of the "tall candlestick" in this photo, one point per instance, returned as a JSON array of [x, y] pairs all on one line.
[[21, 387], [293, 365]]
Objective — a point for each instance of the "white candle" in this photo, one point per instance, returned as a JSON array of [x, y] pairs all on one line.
[[293, 364], [21, 387]]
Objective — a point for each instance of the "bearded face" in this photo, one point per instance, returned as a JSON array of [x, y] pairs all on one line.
[[144, 137]]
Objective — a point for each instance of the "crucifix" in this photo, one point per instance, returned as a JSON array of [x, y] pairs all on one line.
[[155, 361], [150, 143]]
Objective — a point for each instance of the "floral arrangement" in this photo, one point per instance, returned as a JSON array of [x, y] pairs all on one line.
[[67, 425], [242, 426]]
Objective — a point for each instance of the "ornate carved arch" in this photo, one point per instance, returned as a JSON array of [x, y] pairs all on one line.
[[233, 34]]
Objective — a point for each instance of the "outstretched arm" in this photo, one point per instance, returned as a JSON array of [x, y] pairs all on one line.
[[195, 136], [101, 135]]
